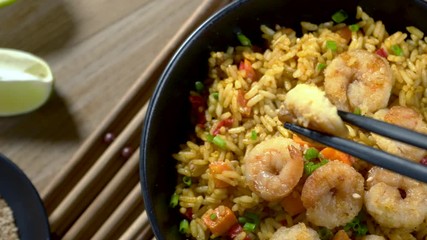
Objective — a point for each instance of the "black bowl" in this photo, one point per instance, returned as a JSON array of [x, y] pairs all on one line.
[[22, 197], [168, 119]]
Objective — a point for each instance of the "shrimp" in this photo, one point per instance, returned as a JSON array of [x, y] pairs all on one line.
[[308, 106], [358, 79], [274, 167], [332, 195], [296, 232], [395, 201], [407, 118]]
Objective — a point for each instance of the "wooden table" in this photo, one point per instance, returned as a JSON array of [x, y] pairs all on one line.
[[96, 50], [106, 57]]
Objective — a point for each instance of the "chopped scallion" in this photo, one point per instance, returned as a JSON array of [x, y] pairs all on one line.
[[311, 153], [250, 227], [209, 137], [217, 140], [174, 200], [321, 66], [397, 50], [357, 226], [213, 216], [325, 234], [215, 95], [244, 40], [199, 86], [187, 180], [254, 135], [354, 27], [332, 45], [310, 167], [184, 226], [242, 220], [253, 217], [357, 111], [340, 16]]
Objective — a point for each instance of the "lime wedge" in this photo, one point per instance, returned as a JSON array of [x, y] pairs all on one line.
[[26, 82], [4, 3]]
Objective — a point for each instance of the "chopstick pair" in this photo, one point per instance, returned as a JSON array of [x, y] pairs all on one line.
[[377, 157]]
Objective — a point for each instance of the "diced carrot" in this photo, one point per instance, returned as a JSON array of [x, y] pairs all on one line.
[[333, 154], [299, 140], [341, 235], [345, 33], [293, 204], [246, 67], [218, 168], [244, 109], [302, 142], [219, 220]]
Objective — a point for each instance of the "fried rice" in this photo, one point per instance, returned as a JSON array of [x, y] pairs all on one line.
[[238, 107]]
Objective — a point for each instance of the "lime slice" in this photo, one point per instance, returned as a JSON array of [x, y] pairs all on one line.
[[4, 3], [26, 82]]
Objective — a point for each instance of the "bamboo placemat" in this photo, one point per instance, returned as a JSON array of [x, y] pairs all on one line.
[[97, 195]]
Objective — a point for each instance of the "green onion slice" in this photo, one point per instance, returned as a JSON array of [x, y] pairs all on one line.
[[357, 226], [184, 226], [321, 66], [254, 135], [215, 95], [311, 153], [199, 86], [244, 40], [174, 200], [253, 217], [209, 137], [242, 220], [217, 140], [332, 45], [187, 180], [213, 216], [340, 16], [325, 234], [250, 227], [354, 27], [310, 167], [357, 111], [397, 50]]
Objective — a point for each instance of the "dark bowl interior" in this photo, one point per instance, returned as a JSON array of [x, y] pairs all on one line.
[[21, 196], [168, 119]]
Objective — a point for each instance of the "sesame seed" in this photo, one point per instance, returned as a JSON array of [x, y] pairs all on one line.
[[369, 179], [356, 196]]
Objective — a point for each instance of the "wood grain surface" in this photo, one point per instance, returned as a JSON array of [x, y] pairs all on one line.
[[96, 49]]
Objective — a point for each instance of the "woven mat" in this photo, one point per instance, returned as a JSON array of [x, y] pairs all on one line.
[[98, 194]]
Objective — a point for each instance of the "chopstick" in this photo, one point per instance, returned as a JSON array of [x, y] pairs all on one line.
[[106, 201], [128, 210], [388, 130], [364, 152]]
